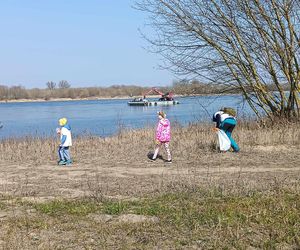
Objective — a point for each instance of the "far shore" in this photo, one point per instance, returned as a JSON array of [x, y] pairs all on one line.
[[64, 99], [99, 98], [76, 99]]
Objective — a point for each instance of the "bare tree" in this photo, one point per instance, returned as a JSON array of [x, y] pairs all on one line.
[[3, 92], [17, 92], [63, 84], [51, 85], [243, 44]]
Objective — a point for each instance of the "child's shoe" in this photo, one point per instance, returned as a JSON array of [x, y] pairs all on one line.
[[168, 161], [68, 162], [61, 162]]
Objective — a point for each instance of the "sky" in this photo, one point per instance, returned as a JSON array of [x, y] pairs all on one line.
[[86, 42]]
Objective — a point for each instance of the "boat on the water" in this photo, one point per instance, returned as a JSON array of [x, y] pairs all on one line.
[[145, 102], [165, 99], [138, 102]]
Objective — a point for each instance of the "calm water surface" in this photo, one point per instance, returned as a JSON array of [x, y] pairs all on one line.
[[106, 117]]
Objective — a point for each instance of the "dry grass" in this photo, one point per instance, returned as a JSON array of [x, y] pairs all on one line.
[[203, 200], [186, 142]]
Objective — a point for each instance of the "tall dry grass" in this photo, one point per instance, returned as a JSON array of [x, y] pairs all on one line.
[[187, 142]]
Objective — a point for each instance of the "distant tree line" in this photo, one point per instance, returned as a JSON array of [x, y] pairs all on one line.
[[63, 90]]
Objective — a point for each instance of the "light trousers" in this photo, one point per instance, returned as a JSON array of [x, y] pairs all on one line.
[[166, 145]]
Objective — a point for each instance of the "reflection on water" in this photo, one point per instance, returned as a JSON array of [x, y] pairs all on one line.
[[106, 117]]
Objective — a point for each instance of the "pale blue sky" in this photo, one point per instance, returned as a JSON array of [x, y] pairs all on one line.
[[86, 42]]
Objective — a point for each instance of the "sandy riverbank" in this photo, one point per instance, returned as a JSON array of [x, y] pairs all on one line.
[[64, 99], [94, 98]]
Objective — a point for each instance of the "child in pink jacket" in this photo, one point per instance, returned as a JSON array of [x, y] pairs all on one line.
[[163, 135]]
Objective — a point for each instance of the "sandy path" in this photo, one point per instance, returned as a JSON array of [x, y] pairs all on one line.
[[127, 179]]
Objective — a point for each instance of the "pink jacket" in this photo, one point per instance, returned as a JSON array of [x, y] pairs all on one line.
[[163, 131]]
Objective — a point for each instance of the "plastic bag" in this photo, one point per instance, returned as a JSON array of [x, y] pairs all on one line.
[[224, 141]]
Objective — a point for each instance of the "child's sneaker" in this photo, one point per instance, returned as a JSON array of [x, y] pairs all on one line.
[[69, 162], [61, 162]]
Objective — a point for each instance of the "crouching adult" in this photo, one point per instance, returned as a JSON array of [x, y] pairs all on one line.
[[225, 120]]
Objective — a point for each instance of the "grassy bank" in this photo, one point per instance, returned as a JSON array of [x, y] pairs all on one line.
[[192, 141], [114, 198], [196, 219]]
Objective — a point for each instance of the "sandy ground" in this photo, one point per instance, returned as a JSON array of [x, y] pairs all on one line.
[[124, 178]]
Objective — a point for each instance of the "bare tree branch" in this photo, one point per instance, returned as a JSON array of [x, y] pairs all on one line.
[[246, 44]]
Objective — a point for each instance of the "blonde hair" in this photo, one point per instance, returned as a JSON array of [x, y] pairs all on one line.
[[62, 121], [229, 111], [162, 114]]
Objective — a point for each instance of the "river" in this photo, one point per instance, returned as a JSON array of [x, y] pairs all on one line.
[[106, 117]]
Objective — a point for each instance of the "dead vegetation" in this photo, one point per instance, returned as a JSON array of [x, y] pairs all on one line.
[[113, 197]]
